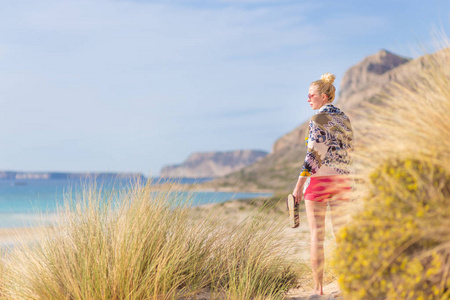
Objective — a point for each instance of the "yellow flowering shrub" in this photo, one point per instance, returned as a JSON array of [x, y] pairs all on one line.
[[398, 246]]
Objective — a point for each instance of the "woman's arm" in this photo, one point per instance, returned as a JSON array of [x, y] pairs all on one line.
[[317, 148], [298, 190], [316, 152]]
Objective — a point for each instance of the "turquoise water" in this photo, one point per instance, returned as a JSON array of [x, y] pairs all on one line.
[[23, 203]]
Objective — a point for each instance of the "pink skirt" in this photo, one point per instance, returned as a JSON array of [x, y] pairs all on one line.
[[328, 188]]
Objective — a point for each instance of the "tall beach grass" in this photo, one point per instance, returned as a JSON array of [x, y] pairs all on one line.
[[147, 244]]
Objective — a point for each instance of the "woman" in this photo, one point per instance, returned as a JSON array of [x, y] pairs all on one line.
[[329, 142]]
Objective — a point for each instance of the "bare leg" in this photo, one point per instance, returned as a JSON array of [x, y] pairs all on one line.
[[339, 203], [338, 215], [315, 212]]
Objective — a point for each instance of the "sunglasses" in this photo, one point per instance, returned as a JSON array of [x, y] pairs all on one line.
[[310, 96]]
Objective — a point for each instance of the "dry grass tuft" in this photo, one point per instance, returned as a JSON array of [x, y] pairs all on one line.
[[147, 244]]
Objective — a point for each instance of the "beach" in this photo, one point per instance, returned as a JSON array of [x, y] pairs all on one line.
[[11, 236]]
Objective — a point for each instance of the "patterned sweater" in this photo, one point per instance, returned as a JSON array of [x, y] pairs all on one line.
[[328, 141]]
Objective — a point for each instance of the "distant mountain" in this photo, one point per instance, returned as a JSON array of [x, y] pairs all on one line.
[[364, 82], [13, 175], [213, 164]]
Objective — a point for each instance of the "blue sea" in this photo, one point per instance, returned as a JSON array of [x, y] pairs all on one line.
[[24, 202]]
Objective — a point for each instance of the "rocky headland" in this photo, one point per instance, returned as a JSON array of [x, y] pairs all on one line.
[[213, 164]]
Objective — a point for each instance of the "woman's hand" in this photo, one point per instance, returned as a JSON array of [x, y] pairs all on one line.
[[298, 195], [298, 191]]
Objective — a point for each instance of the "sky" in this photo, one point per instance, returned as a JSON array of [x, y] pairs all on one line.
[[133, 85]]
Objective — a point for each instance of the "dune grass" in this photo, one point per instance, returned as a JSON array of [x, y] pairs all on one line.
[[147, 244], [398, 243]]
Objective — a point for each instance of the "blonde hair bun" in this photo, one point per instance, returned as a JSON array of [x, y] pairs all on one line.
[[325, 86], [328, 78]]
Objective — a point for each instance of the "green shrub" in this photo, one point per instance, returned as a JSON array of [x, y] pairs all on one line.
[[398, 246]]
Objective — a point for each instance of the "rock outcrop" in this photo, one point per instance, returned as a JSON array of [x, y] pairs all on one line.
[[369, 73], [213, 164]]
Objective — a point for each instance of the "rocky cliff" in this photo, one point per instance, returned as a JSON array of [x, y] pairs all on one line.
[[213, 164], [364, 82]]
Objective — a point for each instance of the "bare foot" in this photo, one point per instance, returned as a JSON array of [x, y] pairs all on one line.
[[318, 291]]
